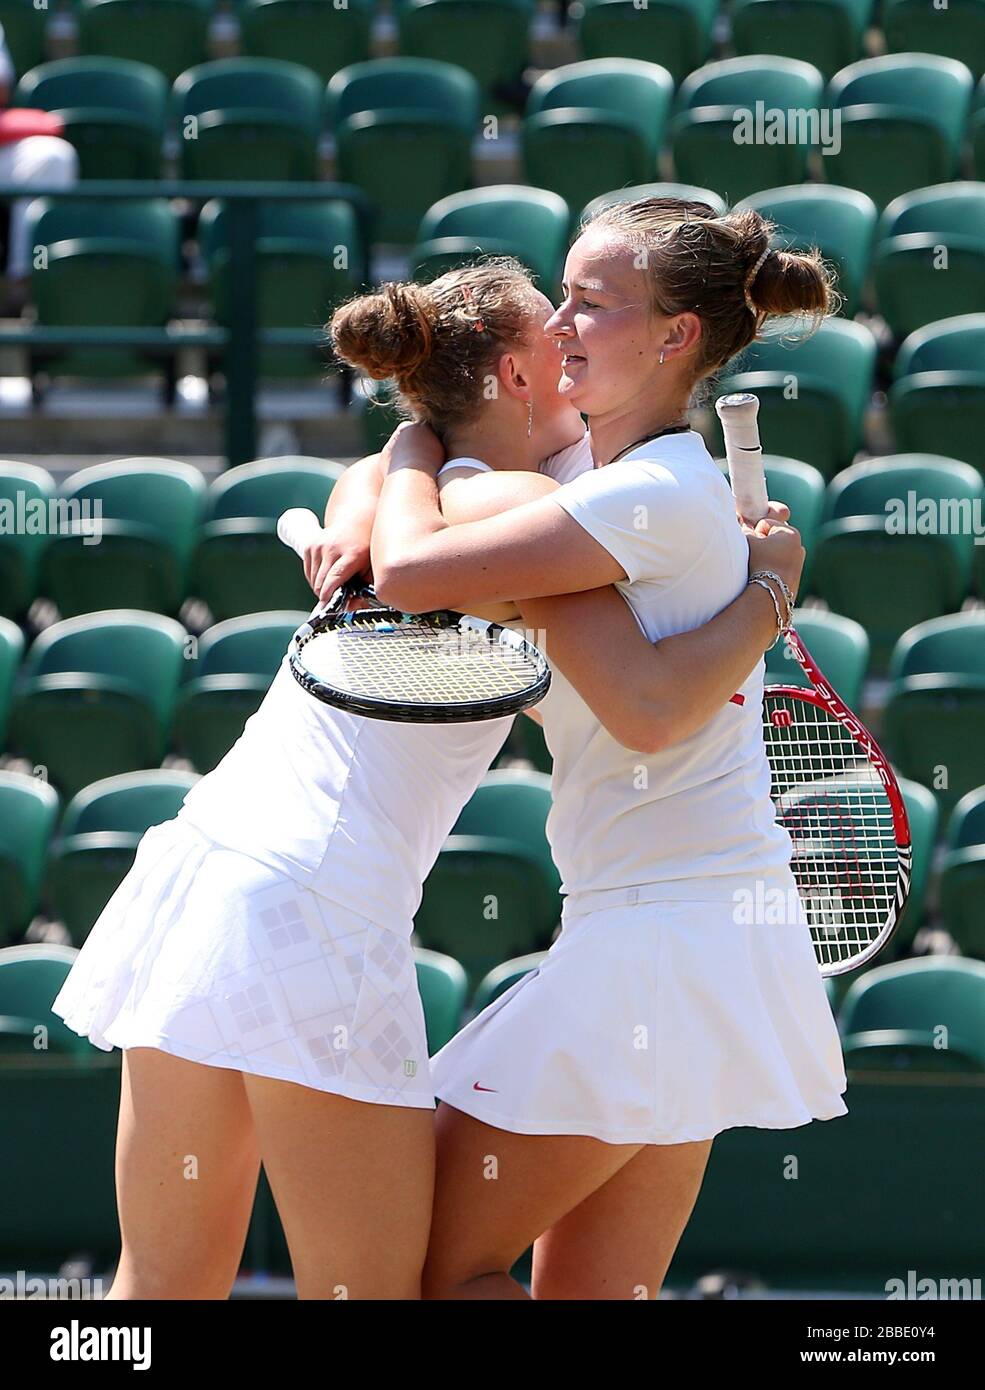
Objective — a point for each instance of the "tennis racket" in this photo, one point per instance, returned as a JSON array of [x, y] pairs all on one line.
[[833, 788], [410, 668]]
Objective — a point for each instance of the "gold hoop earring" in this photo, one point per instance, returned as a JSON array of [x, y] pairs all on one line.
[[530, 418]]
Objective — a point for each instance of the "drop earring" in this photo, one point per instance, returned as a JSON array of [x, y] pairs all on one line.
[[530, 418], [661, 357]]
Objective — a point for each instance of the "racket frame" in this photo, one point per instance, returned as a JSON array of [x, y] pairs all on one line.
[[821, 694]]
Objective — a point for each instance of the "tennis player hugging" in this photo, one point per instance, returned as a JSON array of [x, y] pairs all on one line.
[[256, 965]]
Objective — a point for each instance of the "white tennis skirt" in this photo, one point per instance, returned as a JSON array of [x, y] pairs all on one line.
[[661, 1023], [212, 956]]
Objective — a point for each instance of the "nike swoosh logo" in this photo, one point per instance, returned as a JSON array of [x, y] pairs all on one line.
[[477, 1087]]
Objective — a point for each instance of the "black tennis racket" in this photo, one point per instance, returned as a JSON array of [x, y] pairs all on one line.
[[834, 790], [410, 668]]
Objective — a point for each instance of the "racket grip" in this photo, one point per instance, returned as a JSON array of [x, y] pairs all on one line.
[[744, 453], [296, 528]]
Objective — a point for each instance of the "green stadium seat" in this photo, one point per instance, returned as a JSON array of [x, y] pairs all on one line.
[[96, 694], [504, 220], [240, 566], [839, 645], [21, 547], [902, 123], [170, 35], [704, 130], [503, 977], [30, 978], [23, 24], [105, 264], [801, 488], [938, 395], [28, 810], [526, 740], [915, 26], [962, 875], [935, 706], [11, 651], [318, 34], [150, 511], [930, 258], [444, 988], [248, 118], [897, 546], [924, 816], [494, 890], [594, 126], [827, 33], [923, 1015], [689, 191], [403, 132], [379, 416], [114, 112], [677, 34], [813, 393], [309, 258], [976, 130], [98, 838], [487, 38], [237, 660], [840, 222]]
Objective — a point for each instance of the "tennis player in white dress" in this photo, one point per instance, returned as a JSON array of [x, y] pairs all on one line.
[[581, 1105], [255, 965]]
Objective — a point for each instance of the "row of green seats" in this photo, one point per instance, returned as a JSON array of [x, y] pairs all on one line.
[[404, 128], [161, 533], [491, 38]]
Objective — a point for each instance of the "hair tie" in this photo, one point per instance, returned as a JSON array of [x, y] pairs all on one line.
[[477, 326], [751, 277]]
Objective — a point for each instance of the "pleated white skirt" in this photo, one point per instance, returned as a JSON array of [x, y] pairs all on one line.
[[661, 1023], [212, 956]]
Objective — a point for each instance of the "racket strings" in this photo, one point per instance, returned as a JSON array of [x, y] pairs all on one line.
[[418, 662], [831, 801]]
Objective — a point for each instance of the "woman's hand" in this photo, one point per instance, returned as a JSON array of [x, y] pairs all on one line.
[[778, 547], [331, 558], [413, 446]]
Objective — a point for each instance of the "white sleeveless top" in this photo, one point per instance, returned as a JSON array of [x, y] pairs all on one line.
[[356, 809]]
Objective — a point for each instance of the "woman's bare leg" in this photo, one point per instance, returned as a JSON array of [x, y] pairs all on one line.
[[353, 1182], [186, 1174]]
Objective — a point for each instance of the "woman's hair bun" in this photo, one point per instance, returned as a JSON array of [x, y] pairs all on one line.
[[387, 334]]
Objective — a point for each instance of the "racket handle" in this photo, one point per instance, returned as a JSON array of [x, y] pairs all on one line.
[[744, 452], [296, 528]]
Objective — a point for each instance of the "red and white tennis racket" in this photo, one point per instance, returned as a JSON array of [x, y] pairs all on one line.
[[833, 788]]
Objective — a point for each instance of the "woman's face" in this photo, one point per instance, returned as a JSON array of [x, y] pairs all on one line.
[[555, 417], [610, 340]]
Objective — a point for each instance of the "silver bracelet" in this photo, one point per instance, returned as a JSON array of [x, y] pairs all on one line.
[[784, 589], [765, 584]]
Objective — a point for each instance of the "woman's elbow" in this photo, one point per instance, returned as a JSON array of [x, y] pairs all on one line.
[[640, 731], [399, 584]]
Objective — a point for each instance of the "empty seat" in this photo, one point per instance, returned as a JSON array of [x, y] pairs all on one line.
[[962, 881], [813, 392], [503, 977], [30, 978], [249, 118], [240, 565], [937, 399], [930, 258], [688, 191], [318, 34], [98, 838], [28, 488], [800, 487], [914, 26], [505, 220], [487, 38], [714, 134], [444, 988], [840, 222], [676, 34], [494, 889], [146, 514], [839, 646], [114, 112], [11, 650], [28, 809], [935, 706], [924, 1015], [923, 814], [95, 696], [594, 126], [896, 548], [902, 123], [403, 132], [236, 662], [169, 34], [976, 130], [827, 33]]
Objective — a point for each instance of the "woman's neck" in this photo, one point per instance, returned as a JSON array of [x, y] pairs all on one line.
[[613, 434], [502, 446]]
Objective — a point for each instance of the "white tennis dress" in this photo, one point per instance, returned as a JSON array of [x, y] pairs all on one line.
[[682, 996], [267, 927]]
